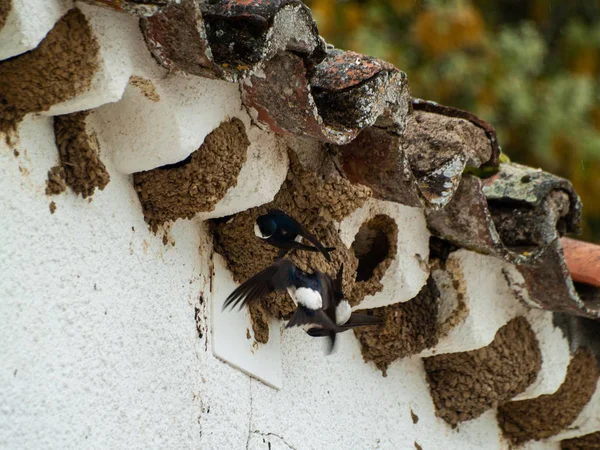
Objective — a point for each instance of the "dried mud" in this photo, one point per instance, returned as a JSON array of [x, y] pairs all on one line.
[[198, 183], [408, 328], [80, 167], [587, 442], [547, 415], [315, 200], [55, 184], [465, 385], [62, 66], [146, 87]]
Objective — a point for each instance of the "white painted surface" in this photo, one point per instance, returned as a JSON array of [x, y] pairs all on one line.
[[144, 134], [99, 343], [100, 346], [233, 337], [408, 272], [121, 364], [28, 23], [490, 302]]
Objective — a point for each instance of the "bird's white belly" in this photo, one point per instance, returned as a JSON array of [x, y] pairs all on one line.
[[307, 297], [343, 311]]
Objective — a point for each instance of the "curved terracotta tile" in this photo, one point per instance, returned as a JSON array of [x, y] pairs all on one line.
[[583, 261]]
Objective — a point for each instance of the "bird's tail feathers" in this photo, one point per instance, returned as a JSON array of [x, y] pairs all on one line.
[[305, 316], [359, 320]]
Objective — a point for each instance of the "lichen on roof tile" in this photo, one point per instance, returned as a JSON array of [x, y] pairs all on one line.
[[286, 102]]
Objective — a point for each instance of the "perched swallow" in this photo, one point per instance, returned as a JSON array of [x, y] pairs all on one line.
[[311, 292], [284, 232], [340, 312]]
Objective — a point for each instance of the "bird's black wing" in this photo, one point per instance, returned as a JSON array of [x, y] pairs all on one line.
[[276, 277], [305, 234], [339, 292]]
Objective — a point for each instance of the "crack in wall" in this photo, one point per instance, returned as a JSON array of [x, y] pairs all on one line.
[[272, 434], [250, 415], [258, 432]]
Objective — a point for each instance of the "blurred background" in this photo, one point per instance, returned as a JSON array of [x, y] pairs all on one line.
[[529, 67]]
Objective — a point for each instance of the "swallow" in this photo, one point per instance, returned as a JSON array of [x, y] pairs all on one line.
[[311, 292], [340, 312], [284, 232]]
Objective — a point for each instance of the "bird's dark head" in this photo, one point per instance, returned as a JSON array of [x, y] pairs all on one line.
[[265, 226]]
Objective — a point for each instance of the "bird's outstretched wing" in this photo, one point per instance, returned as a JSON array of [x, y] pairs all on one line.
[[339, 292], [305, 234], [276, 277]]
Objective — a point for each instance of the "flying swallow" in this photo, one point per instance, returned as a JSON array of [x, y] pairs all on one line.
[[311, 292], [340, 312], [284, 232]]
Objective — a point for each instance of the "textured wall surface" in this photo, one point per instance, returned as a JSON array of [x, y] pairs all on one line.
[[101, 348], [106, 338]]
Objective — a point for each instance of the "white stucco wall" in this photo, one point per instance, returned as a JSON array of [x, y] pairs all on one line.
[[100, 347]]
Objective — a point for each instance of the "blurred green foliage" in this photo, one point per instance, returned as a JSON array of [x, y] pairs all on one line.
[[529, 67]]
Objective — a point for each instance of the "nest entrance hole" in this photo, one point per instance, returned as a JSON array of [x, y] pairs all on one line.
[[373, 245]]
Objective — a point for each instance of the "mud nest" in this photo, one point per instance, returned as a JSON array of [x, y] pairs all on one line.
[[547, 415], [375, 246], [196, 184], [62, 66], [80, 167], [316, 200], [465, 385], [408, 328], [587, 442]]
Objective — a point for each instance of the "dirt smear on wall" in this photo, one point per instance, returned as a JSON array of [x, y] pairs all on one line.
[[146, 87], [465, 385], [62, 66], [587, 442], [547, 415], [198, 183], [80, 167], [5, 8], [408, 328], [316, 200]]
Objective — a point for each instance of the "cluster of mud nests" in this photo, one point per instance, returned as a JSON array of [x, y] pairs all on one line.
[[547, 415], [465, 385], [587, 442], [197, 183], [316, 200], [80, 167], [408, 328], [62, 66]]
